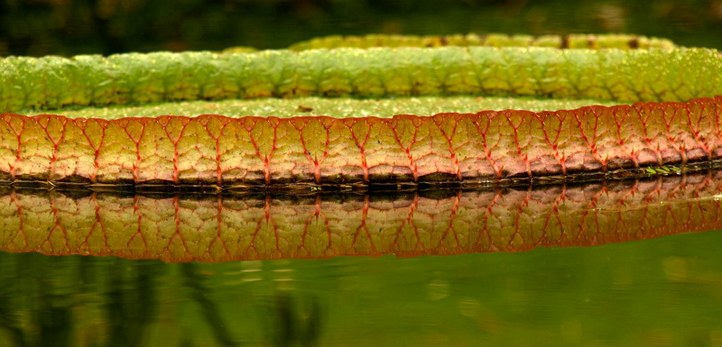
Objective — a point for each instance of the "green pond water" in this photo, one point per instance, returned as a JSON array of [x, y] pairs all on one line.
[[660, 292]]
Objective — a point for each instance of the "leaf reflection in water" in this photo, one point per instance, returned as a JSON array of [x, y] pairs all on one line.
[[215, 228]]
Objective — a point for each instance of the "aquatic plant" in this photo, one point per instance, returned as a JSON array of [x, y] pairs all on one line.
[[242, 150], [492, 40]]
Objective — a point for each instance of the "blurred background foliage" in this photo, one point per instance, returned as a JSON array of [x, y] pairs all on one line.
[[67, 27]]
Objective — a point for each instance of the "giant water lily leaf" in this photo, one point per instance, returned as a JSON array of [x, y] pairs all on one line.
[[493, 40], [631, 75], [478, 148], [340, 143], [573, 41]]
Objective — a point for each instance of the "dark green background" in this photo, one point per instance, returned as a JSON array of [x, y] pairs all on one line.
[[67, 27]]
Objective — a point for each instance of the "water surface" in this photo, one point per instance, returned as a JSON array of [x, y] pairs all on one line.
[[661, 292], [614, 263]]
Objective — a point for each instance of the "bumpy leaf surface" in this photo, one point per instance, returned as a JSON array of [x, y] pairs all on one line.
[[449, 147], [133, 78]]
